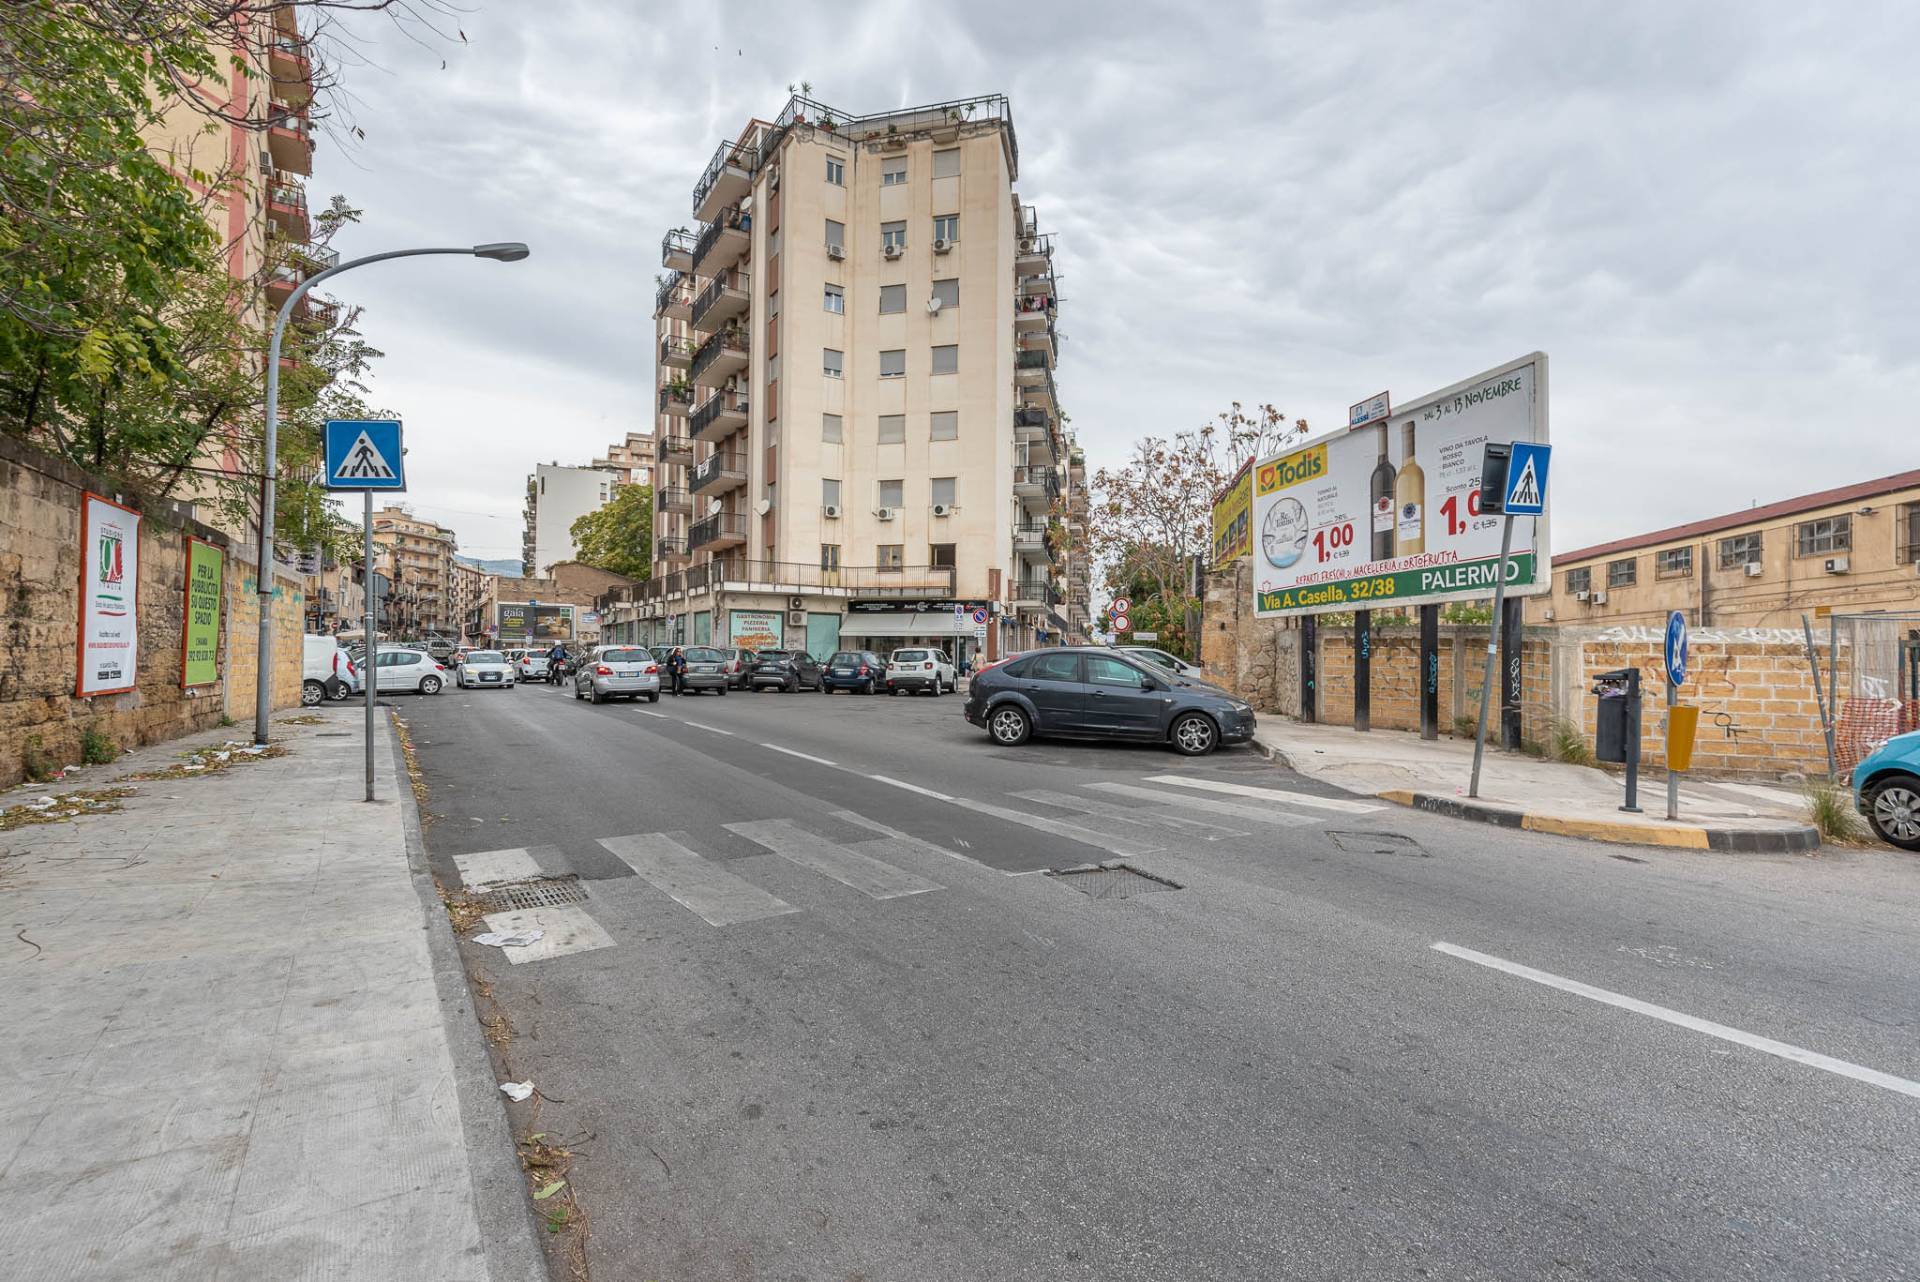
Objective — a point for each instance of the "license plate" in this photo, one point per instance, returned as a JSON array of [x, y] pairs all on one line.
[[625, 672], [843, 672], [488, 676]]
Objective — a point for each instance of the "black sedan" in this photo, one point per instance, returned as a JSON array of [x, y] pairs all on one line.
[[1090, 692], [784, 670]]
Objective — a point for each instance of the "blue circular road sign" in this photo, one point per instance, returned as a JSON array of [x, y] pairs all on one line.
[[1677, 648]]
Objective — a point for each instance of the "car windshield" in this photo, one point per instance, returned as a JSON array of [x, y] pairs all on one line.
[[909, 656], [846, 656], [485, 656], [701, 655], [773, 654], [625, 656]]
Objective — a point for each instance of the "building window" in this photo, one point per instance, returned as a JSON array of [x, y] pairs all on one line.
[[830, 362], [947, 292], [944, 425], [836, 235], [944, 488], [836, 171], [829, 493], [1741, 549], [1672, 563], [941, 555], [893, 429], [1580, 580], [946, 227], [773, 369], [1907, 534], [946, 359], [946, 164], [893, 235], [830, 429], [1828, 534], [893, 363], [893, 171], [890, 556], [829, 556], [892, 494], [893, 298], [836, 300], [1623, 574]]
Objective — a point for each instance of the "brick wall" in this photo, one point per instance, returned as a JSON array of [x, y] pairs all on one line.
[[240, 657]]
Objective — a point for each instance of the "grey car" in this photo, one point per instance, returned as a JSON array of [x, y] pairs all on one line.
[[707, 669], [612, 671]]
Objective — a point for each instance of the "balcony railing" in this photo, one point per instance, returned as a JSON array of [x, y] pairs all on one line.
[[672, 499], [735, 155], [676, 249], [1031, 360], [1036, 590], [724, 465], [676, 398], [1031, 416], [676, 287], [929, 582], [711, 409], [673, 448], [674, 547], [731, 339], [731, 281], [721, 527], [288, 195], [1034, 475], [731, 219], [675, 350]]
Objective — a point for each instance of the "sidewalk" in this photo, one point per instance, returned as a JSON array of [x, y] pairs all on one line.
[[1544, 796], [238, 1041]]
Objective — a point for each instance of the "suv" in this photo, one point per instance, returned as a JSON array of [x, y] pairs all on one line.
[[785, 670], [860, 670], [738, 667], [920, 669], [615, 670]]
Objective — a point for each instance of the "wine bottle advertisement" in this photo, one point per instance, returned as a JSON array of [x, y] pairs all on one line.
[[1388, 513]]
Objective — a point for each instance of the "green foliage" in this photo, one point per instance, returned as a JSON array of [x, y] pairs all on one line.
[[618, 536], [96, 749], [1568, 743], [1830, 810]]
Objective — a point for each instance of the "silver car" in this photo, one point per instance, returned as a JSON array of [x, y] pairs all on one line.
[[611, 670], [483, 668]]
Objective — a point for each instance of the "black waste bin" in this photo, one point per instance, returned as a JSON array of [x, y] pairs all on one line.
[[1610, 726]]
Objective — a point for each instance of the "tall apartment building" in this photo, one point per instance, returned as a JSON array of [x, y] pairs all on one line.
[[1078, 560], [859, 434], [418, 557], [469, 589], [631, 460], [557, 496]]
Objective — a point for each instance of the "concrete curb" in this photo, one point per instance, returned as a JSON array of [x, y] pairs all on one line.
[[508, 1231], [1783, 839]]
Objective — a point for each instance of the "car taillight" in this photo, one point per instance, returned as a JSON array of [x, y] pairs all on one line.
[[863, 669], [929, 667], [440, 667], [603, 671], [652, 668]]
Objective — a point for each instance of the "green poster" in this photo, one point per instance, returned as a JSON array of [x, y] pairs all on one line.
[[200, 638]]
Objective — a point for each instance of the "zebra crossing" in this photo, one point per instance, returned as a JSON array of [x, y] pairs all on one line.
[[1126, 820]]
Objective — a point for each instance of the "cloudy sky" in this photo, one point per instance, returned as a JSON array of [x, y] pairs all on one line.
[[1702, 212]]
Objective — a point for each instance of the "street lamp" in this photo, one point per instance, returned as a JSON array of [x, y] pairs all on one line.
[[505, 251]]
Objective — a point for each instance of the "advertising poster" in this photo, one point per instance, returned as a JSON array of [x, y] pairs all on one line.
[[524, 623], [200, 635], [1388, 514], [1233, 518], [109, 644], [755, 629]]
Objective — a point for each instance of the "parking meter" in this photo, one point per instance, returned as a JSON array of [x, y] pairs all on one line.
[[1616, 726]]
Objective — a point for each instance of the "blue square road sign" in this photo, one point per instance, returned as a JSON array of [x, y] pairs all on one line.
[[365, 454], [1527, 479]]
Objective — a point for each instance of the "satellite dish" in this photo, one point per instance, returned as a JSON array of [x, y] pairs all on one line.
[[763, 507], [746, 204], [714, 506], [933, 307]]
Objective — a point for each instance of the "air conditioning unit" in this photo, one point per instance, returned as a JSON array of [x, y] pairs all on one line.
[[1835, 565], [1753, 569], [892, 250], [943, 509], [883, 513], [796, 618], [941, 245], [1598, 598], [830, 510], [836, 252], [1026, 244], [1582, 595], [798, 603]]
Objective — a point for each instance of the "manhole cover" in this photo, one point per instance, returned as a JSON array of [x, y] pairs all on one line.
[[1111, 881], [1377, 843], [535, 892]]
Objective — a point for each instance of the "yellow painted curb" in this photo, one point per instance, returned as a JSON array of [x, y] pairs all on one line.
[[1628, 834], [1398, 796]]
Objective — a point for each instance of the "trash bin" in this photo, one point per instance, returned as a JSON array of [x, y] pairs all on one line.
[[1610, 724]]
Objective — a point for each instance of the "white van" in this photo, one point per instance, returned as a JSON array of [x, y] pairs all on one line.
[[327, 672]]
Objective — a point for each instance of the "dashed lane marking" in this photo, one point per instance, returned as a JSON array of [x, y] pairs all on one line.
[[912, 787], [804, 756]]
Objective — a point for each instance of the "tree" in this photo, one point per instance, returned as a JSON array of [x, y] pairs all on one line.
[[618, 535]]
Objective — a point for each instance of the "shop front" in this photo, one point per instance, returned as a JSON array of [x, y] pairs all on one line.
[[884, 626]]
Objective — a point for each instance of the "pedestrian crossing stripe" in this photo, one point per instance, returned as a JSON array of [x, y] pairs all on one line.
[[365, 462]]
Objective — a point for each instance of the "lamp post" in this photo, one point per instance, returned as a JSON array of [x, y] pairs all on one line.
[[511, 251]]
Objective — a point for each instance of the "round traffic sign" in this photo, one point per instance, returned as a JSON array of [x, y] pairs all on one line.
[[1676, 648], [1121, 623], [979, 616], [1121, 605]]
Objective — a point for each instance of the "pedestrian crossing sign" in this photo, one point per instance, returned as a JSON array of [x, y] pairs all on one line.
[[365, 454], [1527, 479]]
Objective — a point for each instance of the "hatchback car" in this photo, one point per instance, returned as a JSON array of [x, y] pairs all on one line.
[[784, 670], [1886, 786], [920, 669], [1090, 692], [407, 668], [1162, 659], [738, 665], [706, 669], [483, 668], [858, 670], [531, 665], [614, 670]]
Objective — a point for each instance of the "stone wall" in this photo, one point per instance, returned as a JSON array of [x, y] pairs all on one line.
[[239, 658]]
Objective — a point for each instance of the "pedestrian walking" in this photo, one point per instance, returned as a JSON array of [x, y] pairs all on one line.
[[677, 669]]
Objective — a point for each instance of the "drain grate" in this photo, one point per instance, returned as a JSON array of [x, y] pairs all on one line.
[[1377, 843], [339, 734], [534, 892], [1110, 881]]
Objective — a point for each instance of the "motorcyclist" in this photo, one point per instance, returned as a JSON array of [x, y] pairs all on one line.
[[556, 664]]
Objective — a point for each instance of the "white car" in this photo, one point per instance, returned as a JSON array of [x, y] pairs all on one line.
[[531, 665], [328, 672], [921, 669], [482, 668], [1161, 659], [408, 668]]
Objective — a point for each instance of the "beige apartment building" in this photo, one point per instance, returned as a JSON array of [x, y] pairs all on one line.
[[859, 436], [630, 460], [1855, 549], [417, 556]]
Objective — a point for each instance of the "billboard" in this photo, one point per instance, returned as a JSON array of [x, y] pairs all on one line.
[[528, 623], [754, 629], [200, 637], [109, 644], [1388, 514], [1233, 518]]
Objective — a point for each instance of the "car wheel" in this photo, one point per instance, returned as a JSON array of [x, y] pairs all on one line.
[[429, 685], [722, 690], [654, 697], [892, 690], [1893, 810], [792, 686], [344, 693], [1194, 735], [312, 694], [576, 693], [593, 695], [1009, 726]]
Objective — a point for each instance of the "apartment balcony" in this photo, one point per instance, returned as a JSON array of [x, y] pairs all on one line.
[[672, 499], [1032, 424], [673, 448], [670, 549], [719, 472], [727, 178], [1036, 284], [721, 530], [676, 352], [721, 357], [1030, 369], [676, 250], [1033, 312], [676, 399], [287, 208], [290, 141], [902, 581], [1036, 486], [290, 70], [674, 299], [1034, 594], [1033, 256], [725, 297], [1030, 539], [723, 242], [719, 416]]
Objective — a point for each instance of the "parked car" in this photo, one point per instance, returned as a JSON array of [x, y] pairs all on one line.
[[403, 668], [921, 669], [531, 665], [327, 671], [612, 670], [1090, 692], [858, 670], [784, 670], [739, 666], [1886, 787], [660, 653], [483, 668], [706, 669], [1160, 658]]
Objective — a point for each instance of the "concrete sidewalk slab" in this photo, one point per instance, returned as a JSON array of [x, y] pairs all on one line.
[[238, 1039], [1541, 796]]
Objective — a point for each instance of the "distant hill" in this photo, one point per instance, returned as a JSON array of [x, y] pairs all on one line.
[[505, 565]]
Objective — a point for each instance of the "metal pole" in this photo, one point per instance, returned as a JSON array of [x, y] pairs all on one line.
[[1493, 650], [369, 671], [1819, 695], [1363, 670], [1429, 672], [1673, 777], [1512, 640]]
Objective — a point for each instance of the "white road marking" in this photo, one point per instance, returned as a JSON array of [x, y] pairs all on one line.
[[911, 787], [649, 713], [1753, 1041], [1212, 805], [1270, 794], [701, 725], [859, 820], [1122, 814], [848, 865], [804, 756], [694, 882], [491, 867], [1060, 828], [565, 928]]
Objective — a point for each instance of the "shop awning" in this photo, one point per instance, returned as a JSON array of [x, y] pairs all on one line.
[[903, 623]]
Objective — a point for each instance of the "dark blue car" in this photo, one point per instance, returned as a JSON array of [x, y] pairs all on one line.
[[861, 671], [1091, 692]]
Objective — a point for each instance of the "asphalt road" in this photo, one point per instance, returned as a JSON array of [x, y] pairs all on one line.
[[841, 1024]]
